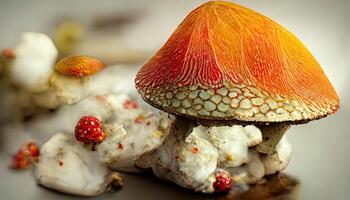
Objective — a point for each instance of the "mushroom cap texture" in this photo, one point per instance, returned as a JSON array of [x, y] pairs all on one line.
[[78, 66], [227, 62]]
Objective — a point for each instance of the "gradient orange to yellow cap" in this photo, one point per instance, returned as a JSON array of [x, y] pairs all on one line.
[[223, 42]]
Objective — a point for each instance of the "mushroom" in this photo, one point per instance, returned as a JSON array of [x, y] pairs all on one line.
[[70, 167], [90, 79], [31, 69], [78, 66], [70, 81], [226, 64]]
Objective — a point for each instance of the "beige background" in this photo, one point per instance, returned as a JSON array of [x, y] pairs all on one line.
[[321, 154]]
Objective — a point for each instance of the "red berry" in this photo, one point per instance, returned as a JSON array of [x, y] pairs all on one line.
[[223, 182], [33, 149], [20, 160], [25, 156], [89, 130]]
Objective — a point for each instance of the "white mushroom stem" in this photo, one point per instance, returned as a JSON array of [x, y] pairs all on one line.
[[272, 134], [62, 90], [182, 127], [279, 160], [68, 166]]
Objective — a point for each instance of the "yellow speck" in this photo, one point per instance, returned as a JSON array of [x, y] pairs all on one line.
[[229, 157], [107, 133], [158, 133]]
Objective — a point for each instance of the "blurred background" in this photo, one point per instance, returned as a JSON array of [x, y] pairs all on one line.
[[130, 31]]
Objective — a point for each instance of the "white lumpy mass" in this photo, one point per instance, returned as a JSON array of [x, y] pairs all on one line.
[[191, 161], [34, 61], [132, 132], [68, 166], [132, 129]]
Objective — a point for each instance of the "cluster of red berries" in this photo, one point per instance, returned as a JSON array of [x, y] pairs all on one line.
[[25, 156], [223, 182], [89, 130]]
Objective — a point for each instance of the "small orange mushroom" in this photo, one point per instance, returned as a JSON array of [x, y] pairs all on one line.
[[78, 66]]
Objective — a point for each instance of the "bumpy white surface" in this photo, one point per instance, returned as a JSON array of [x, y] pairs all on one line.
[[138, 129], [33, 64], [191, 161], [67, 166], [279, 160], [63, 90], [231, 143], [132, 132], [250, 173]]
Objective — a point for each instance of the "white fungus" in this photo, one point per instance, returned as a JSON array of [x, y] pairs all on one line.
[[192, 160], [135, 128], [68, 166], [34, 61]]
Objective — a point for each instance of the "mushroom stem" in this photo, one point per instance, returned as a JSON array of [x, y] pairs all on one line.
[[182, 126], [272, 134]]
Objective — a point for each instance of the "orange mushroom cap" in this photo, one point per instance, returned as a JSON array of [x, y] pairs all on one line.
[[78, 66], [227, 62], [8, 53]]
